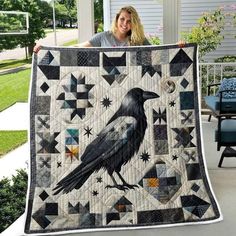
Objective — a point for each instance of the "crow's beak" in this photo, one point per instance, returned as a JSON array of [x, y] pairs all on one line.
[[149, 95]]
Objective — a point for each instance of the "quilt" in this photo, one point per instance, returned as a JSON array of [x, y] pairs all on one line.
[[116, 140]]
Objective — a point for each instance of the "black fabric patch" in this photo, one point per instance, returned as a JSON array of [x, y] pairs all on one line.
[[160, 132], [180, 63], [195, 205], [163, 216], [195, 187], [43, 195], [186, 100], [51, 209], [193, 171], [44, 87], [114, 61], [47, 59], [40, 217], [51, 72]]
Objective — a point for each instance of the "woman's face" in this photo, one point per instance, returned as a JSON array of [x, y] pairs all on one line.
[[124, 22]]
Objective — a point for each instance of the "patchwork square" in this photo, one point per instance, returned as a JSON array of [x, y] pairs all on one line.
[[186, 100]]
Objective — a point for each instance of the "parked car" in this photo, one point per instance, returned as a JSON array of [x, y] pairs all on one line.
[[74, 25]]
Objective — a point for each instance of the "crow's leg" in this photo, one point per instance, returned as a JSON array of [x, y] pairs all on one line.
[[118, 186], [125, 184]]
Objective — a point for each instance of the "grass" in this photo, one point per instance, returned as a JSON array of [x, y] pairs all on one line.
[[48, 30], [11, 140], [71, 43], [9, 64], [14, 87]]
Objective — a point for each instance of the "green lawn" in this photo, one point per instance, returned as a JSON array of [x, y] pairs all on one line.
[[71, 43], [14, 87], [11, 140]]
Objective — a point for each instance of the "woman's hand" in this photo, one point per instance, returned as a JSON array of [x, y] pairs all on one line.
[[181, 43], [37, 47]]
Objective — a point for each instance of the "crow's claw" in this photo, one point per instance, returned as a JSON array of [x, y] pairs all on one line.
[[118, 186], [123, 187]]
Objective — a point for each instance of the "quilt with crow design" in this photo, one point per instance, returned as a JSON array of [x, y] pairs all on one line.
[[116, 140]]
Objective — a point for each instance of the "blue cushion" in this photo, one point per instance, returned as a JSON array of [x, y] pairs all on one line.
[[228, 131], [228, 84], [228, 104]]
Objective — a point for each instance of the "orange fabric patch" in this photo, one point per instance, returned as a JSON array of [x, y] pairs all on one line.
[[121, 208], [153, 182]]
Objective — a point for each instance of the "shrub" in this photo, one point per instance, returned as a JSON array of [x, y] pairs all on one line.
[[100, 28], [153, 39], [12, 198], [227, 58], [207, 34]]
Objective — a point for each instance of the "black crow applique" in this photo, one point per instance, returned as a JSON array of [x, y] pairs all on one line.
[[114, 146]]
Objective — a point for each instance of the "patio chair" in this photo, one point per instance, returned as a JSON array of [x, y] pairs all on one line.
[[225, 135], [228, 104]]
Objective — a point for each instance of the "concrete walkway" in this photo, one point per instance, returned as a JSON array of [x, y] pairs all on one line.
[[14, 160], [14, 70], [15, 117]]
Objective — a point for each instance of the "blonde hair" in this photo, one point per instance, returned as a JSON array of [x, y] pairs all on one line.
[[136, 34]]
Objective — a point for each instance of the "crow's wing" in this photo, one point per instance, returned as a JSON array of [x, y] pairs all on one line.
[[110, 139]]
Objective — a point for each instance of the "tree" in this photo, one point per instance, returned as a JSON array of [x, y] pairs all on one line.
[[98, 15], [98, 10], [11, 23], [12, 198], [46, 13], [35, 24], [66, 10]]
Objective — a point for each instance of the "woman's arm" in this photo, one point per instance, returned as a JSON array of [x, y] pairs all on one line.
[[36, 48], [86, 44]]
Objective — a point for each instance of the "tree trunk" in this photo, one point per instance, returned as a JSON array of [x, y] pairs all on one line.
[[26, 53], [30, 49]]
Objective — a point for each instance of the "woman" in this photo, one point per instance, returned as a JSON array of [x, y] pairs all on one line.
[[126, 30]]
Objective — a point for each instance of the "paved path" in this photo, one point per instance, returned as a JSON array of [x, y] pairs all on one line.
[[16, 117], [14, 160], [14, 70]]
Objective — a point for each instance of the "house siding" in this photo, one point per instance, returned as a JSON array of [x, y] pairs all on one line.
[[190, 13], [151, 14]]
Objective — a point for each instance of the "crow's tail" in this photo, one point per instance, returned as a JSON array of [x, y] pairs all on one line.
[[73, 180]]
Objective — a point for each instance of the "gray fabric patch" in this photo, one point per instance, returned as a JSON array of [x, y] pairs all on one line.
[[42, 105]]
